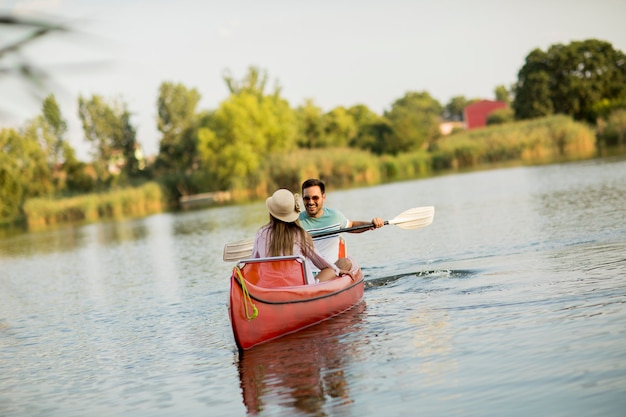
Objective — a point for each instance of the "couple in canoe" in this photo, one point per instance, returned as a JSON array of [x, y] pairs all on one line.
[[287, 232]]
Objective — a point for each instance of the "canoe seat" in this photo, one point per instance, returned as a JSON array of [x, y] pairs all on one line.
[[274, 272]]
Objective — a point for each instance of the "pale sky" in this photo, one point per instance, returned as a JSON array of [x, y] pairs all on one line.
[[337, 53]]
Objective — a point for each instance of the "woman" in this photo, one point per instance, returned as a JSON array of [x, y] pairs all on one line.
[[283, 236]]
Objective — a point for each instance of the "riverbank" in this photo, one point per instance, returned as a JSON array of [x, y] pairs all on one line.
[[537, 142], [114, 204]]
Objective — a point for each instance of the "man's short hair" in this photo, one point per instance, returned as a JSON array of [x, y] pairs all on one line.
[[312, 182]]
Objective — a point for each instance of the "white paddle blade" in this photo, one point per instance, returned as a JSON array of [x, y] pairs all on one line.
[[414, 218], [238, 250]]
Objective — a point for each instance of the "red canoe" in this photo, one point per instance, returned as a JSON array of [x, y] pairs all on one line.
[[269, 298]]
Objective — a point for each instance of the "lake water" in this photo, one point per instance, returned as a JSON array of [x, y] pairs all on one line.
[[511, 303]]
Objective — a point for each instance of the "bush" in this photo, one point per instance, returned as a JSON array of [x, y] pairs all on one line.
[[500, 116]]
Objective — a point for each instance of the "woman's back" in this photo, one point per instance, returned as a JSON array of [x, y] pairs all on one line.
[[283, 236]]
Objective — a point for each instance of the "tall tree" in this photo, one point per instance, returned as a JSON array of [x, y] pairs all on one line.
[[177, 121], [56, 126], [339, 127], [453, 110], [254, 82], [532, 92], [362, 115], [415, 121], [245, 128], [501, 93], [310, 119], [375, 136], [24, 170], [372, 130], [35, 157], [571, 79], [47, 129], [11, 185], [108, 127]]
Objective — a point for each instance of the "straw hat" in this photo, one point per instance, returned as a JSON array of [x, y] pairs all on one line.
[[283, 205]]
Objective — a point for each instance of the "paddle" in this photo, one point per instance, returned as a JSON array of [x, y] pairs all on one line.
[[410, 219]]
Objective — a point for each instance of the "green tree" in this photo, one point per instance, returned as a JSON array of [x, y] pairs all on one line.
[[24, 170], [375, 136], [415, 121], [128, 146], [36, 134], [372, 131], [254, 82], [108, 128], [76, 177], [571, 79], [34, 156], [244, 130], [362, 115], [53, 129], [501, 93], [453, 110], [310, 120], [11, 185], [177, 121], [56, 124], [532, 95], [339, 127]]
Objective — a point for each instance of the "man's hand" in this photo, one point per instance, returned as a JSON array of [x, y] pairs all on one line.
[[378, 222]]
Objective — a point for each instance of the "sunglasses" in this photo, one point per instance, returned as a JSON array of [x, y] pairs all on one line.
[[314, 198]]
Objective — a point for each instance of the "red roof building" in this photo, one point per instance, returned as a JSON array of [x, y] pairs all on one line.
[[476, 113]]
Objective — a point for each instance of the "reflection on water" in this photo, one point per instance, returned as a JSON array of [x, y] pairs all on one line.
[[69, 237], [432, 340], [302, 372]]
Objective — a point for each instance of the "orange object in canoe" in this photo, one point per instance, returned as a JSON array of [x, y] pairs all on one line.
[[269, 298]]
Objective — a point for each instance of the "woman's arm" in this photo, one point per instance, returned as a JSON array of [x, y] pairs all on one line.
[[259, 250]]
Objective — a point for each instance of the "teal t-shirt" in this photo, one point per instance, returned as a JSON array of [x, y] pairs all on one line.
[[330, 219]]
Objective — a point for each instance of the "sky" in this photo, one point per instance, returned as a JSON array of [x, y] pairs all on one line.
[[336, 53]]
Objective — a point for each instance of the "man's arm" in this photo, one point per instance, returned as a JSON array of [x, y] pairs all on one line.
[[376, 223]]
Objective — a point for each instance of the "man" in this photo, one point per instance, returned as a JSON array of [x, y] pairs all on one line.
[[317, 218]]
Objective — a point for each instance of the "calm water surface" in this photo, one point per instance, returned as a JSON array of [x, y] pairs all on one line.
[[512, 303]]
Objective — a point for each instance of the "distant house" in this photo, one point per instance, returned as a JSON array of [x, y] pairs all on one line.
[[475, 114]]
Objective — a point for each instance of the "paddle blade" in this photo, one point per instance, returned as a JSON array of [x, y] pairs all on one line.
[[238, 250], [414, 218]]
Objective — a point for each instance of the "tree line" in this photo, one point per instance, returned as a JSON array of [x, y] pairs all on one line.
[[223, 149]]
